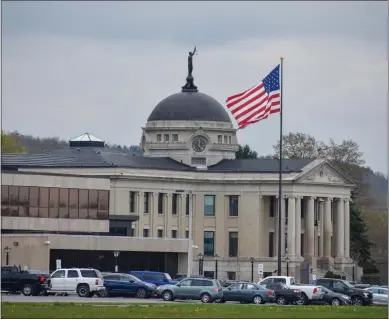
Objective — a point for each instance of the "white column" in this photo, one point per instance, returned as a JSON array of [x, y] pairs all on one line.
[[327, 228], [321, 217], [339, 228], [347, 228], [310, 226], [298, 226], [154, 214], [291, 226], [283, 220]]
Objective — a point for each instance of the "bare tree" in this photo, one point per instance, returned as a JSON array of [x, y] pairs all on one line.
[[297, 146], [346, 152]]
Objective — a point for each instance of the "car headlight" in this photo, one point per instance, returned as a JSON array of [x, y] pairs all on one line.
[[366, 294], [158, 288]]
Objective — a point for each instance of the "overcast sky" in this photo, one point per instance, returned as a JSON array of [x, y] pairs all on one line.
[[101, 67]]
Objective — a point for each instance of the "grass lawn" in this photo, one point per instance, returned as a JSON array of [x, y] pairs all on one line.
[[182, 311]]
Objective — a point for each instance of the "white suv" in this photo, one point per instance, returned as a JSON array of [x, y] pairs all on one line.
[[84, 282]]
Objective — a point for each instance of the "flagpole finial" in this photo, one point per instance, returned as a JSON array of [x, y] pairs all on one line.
[[282, 58]]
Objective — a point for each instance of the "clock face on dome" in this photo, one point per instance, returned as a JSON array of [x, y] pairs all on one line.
[[199, 144]]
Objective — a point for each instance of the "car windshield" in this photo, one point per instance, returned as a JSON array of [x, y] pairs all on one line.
[[168, 276], [348, 284], [261, 287]]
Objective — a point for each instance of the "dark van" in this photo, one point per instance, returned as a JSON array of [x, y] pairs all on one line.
[[157, 278]]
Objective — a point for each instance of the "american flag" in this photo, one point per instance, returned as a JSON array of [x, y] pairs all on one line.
[[257, 103]]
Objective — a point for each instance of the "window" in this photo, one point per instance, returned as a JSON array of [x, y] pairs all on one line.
[[93, 203], [209, 243], [209, 274], [90, 273], [145, 233], [209, 205], [174, 203], [225, 139], [72, 274], [73, 204], [271, 244], [229, 140], [23, 201], [160, 203], [4, 195], [338, 285], [132, 201], [233, 244], [136, 275], [166, 137], [159, 137], [175, 137], [187, 234], [249, 286], [280, 280], [146, 202], [160, 233], [236, 286], [118, 231], [187, 204], [13, 195], [201, 283], [83, 203], [234, 204], [174, 234], [272, 200], [219, 139], [198, 161], [185, 283], [54, 201], [63, 203], [231, 275], [126, 278], [102, 212], [58, 274]]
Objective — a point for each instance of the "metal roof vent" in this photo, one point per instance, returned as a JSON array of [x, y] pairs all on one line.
[[86, 140]]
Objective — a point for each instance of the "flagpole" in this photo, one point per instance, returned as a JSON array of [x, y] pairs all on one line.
[[279, 265]]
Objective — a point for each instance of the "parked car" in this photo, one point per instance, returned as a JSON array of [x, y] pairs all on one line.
[[380, 295], [247, 293], [206, 290], [157, 278], [358, 296], [283, 294], [84, 282], [121, 284], [333, 298], [15, 280], [308, 292]]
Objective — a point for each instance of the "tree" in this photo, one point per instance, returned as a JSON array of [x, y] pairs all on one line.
[[360, 246], [245, 153], [304, 146], [346, 152], [11, 144], [297, 146]]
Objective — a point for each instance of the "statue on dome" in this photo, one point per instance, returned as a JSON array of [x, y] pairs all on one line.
[[190, 61]]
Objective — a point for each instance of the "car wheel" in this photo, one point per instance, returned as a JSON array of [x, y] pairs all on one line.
[[83, 291], [141, 293], [335, 302], [281, 300], [205, 298], [257, 300], [167, 295], [102, 293], [303, 300], [27, 290], [357, 301]]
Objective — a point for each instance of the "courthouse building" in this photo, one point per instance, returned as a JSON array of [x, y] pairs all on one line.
[[82, 203]]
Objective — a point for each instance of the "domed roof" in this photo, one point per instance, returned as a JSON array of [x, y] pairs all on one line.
[[191, 106]]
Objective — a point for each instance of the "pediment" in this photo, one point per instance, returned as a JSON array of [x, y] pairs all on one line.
[[325, 173]]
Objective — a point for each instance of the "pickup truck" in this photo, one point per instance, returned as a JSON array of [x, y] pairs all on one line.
[[309, 293], [29, 282]]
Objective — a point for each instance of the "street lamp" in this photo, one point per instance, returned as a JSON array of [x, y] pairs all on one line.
[[287, 265], [201, 259], [216, 264], [116, 255], [7, 250], [252, 268]]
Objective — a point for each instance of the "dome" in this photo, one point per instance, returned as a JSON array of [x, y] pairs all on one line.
[[190, 106]]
